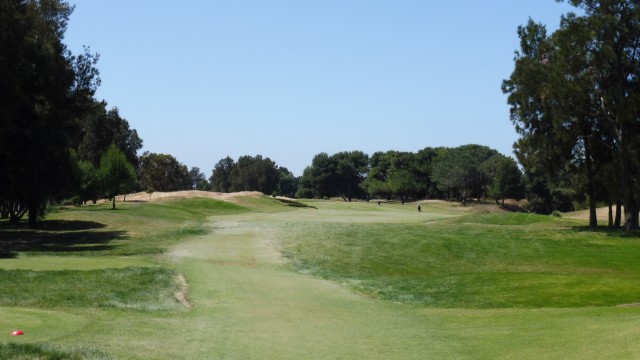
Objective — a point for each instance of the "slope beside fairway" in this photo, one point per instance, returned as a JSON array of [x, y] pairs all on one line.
[[248, 303]]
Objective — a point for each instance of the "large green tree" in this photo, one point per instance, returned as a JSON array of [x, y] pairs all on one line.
[[163, 172], [38, 103], [116, 173], [341, 174], [461, 171], [254, 173], [220, 179], [507, 181], [287, 183], [100, 128], [198, 179], [249, 173], [574, 99], [399, 173]]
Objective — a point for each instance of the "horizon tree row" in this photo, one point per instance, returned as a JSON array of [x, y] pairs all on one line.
[[469, 171], [252, 173]]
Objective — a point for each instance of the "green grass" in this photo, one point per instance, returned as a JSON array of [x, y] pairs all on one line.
[[131, 288], [15, 351], [133, 228], [479, 261], [445, 283], [503, 219]]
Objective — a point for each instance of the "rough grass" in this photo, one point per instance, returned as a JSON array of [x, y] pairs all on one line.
[[480, 261], [16, 351], [131, 288]]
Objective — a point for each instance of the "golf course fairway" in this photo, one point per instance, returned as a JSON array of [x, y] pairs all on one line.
[[246, 301]]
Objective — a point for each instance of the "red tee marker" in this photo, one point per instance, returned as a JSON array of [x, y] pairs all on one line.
[[17, 333]]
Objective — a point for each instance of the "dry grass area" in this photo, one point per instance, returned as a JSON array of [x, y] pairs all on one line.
[[184, 194], [601, 213]]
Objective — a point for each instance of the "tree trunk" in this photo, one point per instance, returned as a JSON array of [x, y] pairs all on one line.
[[593, 216], [630, 216], [464, 193], [591, 189], [114, 202], [616, 222], [626, 182], [4, 211], [610, 215], [33, 214], [13, 218]]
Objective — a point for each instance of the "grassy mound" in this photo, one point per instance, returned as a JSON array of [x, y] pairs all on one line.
[[456, 263], [503, 219], [134, 228]]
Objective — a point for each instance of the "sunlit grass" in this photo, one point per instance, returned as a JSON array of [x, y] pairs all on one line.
[[131, 288], [476, 261], [477, 284], [134, 228]]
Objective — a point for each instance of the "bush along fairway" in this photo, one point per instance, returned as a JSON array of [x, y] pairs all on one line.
[[259, 278]]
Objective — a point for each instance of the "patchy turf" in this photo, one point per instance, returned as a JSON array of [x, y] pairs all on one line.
[[450, 282], [131, 288]]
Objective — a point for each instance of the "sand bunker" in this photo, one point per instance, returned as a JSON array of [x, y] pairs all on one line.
[[143, 196]]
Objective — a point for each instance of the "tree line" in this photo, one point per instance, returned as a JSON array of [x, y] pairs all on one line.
[[574, 97], [46, 94], [469, 171], [58, 141]]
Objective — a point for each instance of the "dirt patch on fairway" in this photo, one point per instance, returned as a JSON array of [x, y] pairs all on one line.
[[629, 305], [184, 194], [181, 295]]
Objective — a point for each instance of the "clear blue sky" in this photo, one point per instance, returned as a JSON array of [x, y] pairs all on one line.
[[203, 79]]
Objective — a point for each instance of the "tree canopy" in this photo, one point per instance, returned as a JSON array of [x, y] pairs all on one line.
[[37, 103], [163, 172], [100, 128], [341, 174], [249, 173], [574, 98], [116, 173]]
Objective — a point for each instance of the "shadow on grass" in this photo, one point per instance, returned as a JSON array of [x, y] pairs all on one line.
[[110, 209], [294, 203], [513, 208], [56, 236], [612, 232], [69, 225]]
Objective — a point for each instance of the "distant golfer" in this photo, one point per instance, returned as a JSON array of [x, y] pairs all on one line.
[[419, 208]]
